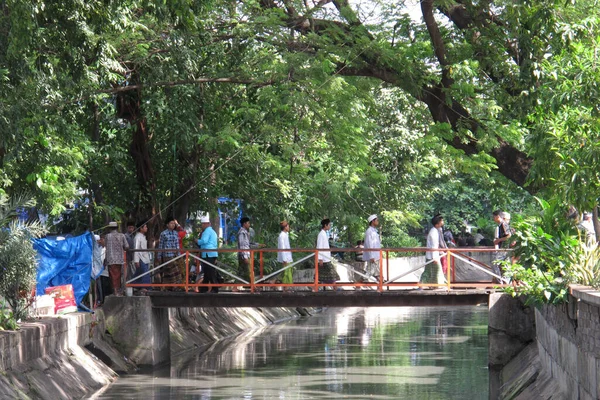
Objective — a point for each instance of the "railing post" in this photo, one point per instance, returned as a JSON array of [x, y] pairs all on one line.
[[187, 270], [260, 255], [387, 262], [380, 285], [251, 271], [453, 269], [448, 268], [316, 287], [124, 277]]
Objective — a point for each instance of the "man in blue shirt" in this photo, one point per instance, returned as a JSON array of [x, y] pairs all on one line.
[[208, 240]]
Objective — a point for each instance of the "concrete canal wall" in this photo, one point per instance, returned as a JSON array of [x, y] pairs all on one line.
[[563, 362], [47, 359], [74, 355]]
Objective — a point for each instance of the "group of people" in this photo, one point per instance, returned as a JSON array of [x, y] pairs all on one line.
[[172, 272], [325, 270], [436, 265], [118, 257]]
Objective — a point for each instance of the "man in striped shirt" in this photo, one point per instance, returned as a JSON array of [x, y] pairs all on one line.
[[169, 239], [116, 243]]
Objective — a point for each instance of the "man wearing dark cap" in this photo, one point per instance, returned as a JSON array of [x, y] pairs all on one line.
[[327, 273], [244, 243], [433, 272]]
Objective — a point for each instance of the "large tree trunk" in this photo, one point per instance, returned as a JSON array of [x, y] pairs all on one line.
[[95, 189], [129, 108]]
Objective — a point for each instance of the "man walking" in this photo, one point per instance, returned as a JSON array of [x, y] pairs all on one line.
[[586, 227], [244, 243], [326, 272], [130, 235], [208, 240], [433, 259], [502, 235], [285, 257], [372, 241], [116, 244], [359, 263], [169, 240], [141, 258]]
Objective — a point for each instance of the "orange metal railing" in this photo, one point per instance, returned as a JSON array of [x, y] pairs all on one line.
[[383, 282]]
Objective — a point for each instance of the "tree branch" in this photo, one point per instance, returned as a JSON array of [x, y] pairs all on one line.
[[464, 20], [511, 162], [436, 39]]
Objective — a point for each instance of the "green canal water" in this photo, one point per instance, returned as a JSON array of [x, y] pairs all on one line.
[[348, 353]]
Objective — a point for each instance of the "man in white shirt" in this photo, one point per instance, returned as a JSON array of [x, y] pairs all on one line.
[[326, 272], [433, 270], [372, 241], [285, 257], [586, 226], [141, 259]]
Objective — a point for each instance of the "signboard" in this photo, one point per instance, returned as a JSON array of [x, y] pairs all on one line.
[[64, 299]]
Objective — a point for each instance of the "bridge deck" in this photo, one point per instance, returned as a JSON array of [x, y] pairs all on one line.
[[404, 298]]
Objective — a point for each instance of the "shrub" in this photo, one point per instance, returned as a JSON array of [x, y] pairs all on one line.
[[18, 264], [551, 255]]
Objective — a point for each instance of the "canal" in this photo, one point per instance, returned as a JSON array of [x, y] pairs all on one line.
[[353, 353]]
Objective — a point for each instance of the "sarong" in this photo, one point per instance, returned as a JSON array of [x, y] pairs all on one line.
[[171, 274]]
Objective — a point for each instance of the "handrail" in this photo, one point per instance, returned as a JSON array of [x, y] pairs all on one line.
[[480, 249], [255, 284]]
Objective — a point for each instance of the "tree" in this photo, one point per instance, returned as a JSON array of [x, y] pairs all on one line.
[[153, 108]]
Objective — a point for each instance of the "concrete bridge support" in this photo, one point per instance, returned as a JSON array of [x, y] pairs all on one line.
[[138, 330]]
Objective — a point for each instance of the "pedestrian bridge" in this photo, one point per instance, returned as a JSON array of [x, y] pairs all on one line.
[[383, 285], [341, 298]]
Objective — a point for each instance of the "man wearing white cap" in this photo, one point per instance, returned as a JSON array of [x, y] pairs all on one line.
[[208, 240], [372, 241]]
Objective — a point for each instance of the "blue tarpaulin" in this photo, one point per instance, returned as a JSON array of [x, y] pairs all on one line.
[[63, 262]]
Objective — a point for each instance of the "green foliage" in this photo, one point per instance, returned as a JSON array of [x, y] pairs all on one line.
[[7, 320], [551, 255], [471, 199], [564, 138], [18, 263]]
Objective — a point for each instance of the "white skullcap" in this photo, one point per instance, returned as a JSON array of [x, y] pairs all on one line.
[[371, 218], [205, 219]]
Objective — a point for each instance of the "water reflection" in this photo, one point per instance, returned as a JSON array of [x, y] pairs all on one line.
[[353, 353]]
